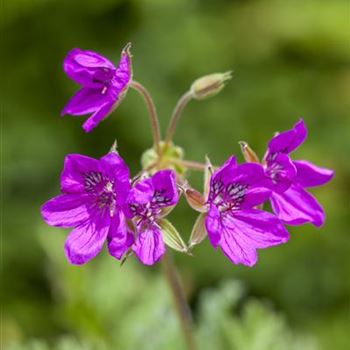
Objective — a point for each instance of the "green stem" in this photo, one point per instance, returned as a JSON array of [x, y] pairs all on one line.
[[152, 112], [190, 164], [181, 104], [182, 309]]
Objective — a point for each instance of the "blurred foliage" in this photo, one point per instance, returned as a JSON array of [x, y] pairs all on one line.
[[290, 58]]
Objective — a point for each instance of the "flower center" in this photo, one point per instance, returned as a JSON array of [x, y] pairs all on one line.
[[101, 188], [229, 197], [273, 170]]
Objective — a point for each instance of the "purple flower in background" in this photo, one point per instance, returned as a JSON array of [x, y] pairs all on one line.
[[93, 195], [290, 201], [146, 203], [232, 222], [103, 84]]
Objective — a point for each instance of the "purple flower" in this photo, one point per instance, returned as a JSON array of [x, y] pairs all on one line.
[[103, 84], [290, 201], [93, 195], [147, 201], [232, 222]]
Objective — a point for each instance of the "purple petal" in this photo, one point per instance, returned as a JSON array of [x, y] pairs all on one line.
[[141, 193], [149, 246], [224, 173], [75, 166], [255, 196], [97, 117], [123, 73], [119, 239], [164, 184], [243, 232], [296, 206], [310, 175], [288, 141], [116, 169], [281, 171], [84, 66], [246, 173], [86, 100], [213, 226], [87, 240], [67, 210]]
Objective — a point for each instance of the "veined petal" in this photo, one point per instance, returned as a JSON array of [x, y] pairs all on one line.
[[149, 246], [245, 231], [213, 226], [119, 238], [288, 141], [165, 190], [255, 196], [83, 66], [97, 117], [281, 171], [296, 206], [87, 239], [86, 100], [224, 173], [72, 176], [67, 210], [116, 169], [310, 175]]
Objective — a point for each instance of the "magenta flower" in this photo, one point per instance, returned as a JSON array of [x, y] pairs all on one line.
[[232, 222], [147, 202], [93, 195], [290, 201], [103, 84]]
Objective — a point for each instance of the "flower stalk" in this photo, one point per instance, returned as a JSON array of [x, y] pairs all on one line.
[[181, 306], [152, 112], [181, 104]]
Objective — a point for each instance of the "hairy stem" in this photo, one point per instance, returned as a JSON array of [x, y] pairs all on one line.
[[190, 164], [181, 104], [152, 112], [182, 309]]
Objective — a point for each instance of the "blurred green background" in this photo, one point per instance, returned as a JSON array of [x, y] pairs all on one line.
[[290, 59]]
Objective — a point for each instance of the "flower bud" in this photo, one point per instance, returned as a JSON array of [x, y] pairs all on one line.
[[248, 154], [209, 85]]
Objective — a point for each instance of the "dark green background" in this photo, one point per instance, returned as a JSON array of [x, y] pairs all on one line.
[[290, 59]]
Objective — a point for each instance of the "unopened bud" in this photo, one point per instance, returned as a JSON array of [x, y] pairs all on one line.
[[209, 85], [248, 154], [195, 199]]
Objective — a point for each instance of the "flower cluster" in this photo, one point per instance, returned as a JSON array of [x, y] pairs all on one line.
[[102, 203]]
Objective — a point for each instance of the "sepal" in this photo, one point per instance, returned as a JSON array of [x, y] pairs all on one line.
[[199, 232], [171, 236]]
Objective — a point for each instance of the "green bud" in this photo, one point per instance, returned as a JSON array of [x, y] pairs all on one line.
[[209, 85]]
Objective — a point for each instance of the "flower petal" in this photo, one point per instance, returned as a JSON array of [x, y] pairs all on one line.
[[85, 100], [119, 238], [245, 231], [83, 66], [296, 206], [149, 246], [213, 226], [72, 176], [87, 239], [165, 190], [310, 175], [116, 169], [255, 196], [281, 171], [67, 210], [224, 173], [288, 141], [98, 116]]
